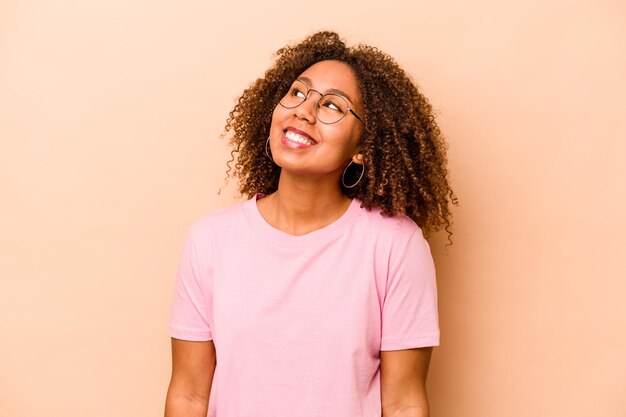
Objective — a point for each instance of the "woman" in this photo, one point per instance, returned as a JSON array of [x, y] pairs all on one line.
[[317, 295]]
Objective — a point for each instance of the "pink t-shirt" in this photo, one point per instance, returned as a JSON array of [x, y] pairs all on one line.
[[298, 322]]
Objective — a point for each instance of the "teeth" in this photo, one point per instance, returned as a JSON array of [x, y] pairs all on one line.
[[297, 138]]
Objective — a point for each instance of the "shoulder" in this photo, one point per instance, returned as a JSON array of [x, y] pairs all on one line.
[[396, 228]]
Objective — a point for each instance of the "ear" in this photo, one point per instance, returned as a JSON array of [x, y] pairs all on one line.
[[358, 158]]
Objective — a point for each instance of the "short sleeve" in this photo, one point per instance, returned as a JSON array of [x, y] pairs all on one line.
[[409, 313], [191, 307]]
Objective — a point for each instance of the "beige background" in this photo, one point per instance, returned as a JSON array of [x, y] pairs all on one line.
[[110, 113]]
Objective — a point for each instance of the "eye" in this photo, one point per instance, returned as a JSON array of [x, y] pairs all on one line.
[[296, 91], [332, 104]]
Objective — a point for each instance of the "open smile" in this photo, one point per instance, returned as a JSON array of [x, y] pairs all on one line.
[[297, 139]]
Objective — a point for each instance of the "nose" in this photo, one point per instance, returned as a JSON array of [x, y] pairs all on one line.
[[308, 109]]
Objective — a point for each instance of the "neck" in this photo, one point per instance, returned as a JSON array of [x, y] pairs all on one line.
[[303, 205]]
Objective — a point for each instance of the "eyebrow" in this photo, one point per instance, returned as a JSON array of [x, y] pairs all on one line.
[[307, 81]]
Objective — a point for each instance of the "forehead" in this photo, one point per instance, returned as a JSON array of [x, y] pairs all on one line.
[[326, 75]]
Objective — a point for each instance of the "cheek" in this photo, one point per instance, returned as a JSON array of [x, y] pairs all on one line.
[[345, 142], [274, 114], [277, 115], [353, 136]]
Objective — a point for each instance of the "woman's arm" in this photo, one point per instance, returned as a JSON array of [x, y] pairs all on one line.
[[403, 382], [193, 365]]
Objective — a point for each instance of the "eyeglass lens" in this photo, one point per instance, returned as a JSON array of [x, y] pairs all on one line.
[[330, 108]]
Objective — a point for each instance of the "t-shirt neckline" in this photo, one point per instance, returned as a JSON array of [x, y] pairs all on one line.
[[276, 236]]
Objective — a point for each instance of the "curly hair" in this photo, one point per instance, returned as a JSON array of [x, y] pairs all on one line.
[[404, 152]]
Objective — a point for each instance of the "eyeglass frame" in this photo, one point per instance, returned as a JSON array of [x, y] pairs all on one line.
[[317, 105]]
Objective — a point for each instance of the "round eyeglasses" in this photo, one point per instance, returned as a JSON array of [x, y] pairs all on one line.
[[330, 108]]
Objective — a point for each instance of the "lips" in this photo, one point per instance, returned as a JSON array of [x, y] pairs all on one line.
[[297, 139]]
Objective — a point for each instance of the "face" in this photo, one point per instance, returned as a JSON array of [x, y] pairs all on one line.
[[302, 144]]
